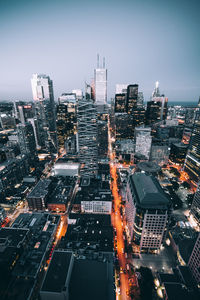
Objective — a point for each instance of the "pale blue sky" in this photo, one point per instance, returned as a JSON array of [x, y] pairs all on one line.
[[143, 41]]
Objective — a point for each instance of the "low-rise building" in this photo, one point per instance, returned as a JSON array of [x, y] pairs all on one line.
[[37, 198], [73, 277]]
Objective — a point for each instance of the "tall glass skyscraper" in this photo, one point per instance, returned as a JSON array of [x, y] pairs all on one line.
[[132, 97], [87, 136], [100, 77], [42, 88]]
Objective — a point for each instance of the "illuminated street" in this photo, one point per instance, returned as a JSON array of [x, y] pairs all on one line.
[[122, 291]]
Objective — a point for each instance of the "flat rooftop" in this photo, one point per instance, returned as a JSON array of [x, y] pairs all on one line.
[[57, 273], [148, 191], [90, 279], [41, 189], [94, 280], [14, 236]]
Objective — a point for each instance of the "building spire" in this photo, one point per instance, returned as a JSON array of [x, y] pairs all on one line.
[[98, 61]]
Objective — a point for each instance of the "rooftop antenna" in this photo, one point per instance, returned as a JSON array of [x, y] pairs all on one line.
[[97, 61], [104, 63]]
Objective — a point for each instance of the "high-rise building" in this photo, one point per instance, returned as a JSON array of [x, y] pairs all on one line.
[[120, 103], [23, 111], [124, 126], [87, 136], [139, 115], [26, 139], [156, 107], [100, 78], [178, 153], [156, 91], [147, 212], [195, 207], [121, 88], [132, 97], [192, 161], [42, 88], [140, 102], [156, 110], [66, 118], [194, 261], [143, 141]]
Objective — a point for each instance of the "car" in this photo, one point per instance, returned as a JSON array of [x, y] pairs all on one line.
[[123, 250], [118, 291], [121, 270], [126, 255]]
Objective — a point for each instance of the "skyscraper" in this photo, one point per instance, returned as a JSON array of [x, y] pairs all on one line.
[[192, 161], [100, 77], [26, 139], [87, 136], [121, 88], [42, 88], [132, 97], [195, 207], [66, 118], [120, 103], [156, 107], [143, 141], [194, 260], [140, 102]]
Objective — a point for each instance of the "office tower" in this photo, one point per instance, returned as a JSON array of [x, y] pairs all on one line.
[[42, 88], [192, 161], [132, 97], [124, 126], [120, 103], [26, 139], [121, 88], [156, 91], [156, 107], [100, 77], [23, 111], [139, 115], [66, 118], [195, 207], [87, 136], [143, 141], [178, 153], [34, 123], [140, 102], [147, 211], [194, 261], [156, 110]]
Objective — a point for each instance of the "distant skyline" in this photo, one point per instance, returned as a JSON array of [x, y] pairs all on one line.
[[142, 41]]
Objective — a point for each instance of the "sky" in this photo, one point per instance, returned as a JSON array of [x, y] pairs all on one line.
[[142, 40]]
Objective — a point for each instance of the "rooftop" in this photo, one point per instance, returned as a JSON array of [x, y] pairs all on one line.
[[41, 189], [57, 273], [148, 191], [148, 166], [12, 237]]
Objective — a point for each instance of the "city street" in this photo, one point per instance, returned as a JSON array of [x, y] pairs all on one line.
[[122, 290]]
